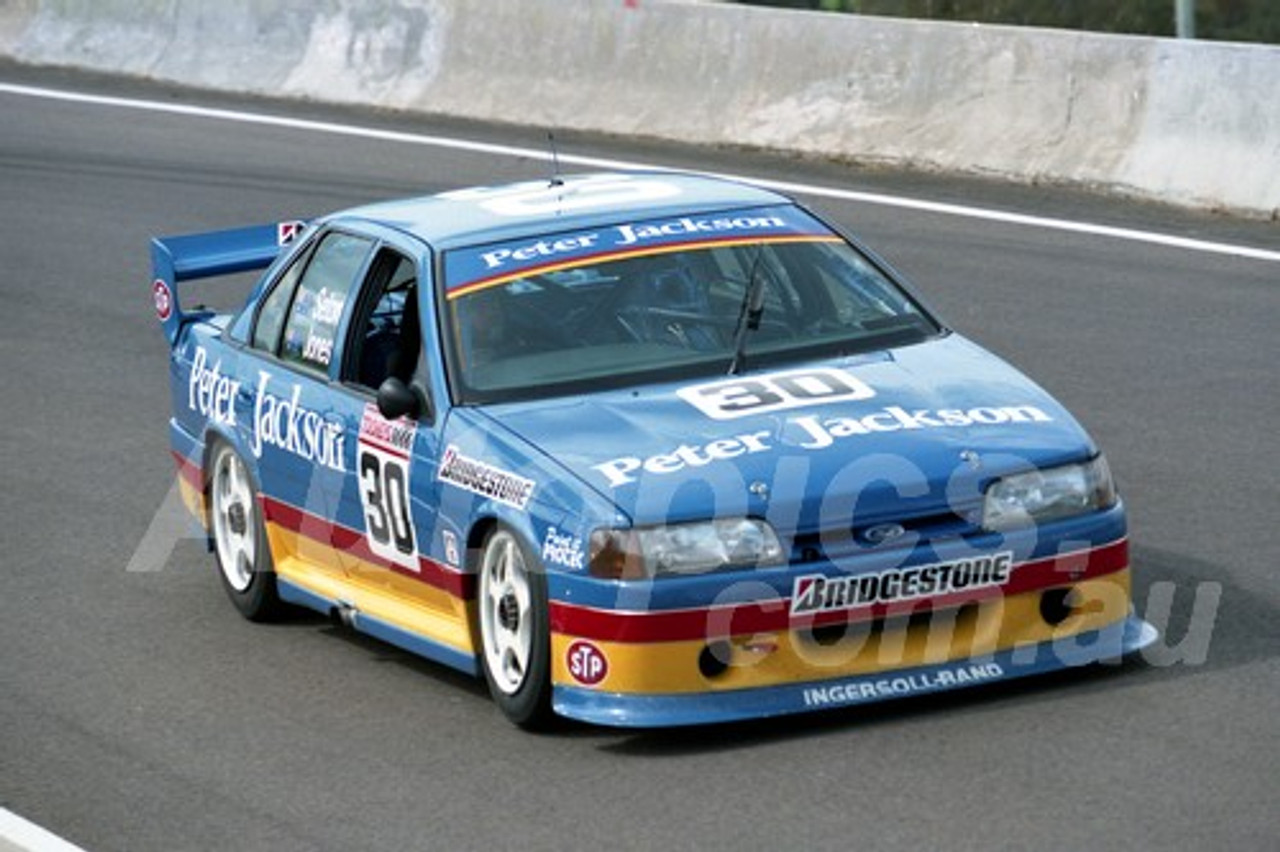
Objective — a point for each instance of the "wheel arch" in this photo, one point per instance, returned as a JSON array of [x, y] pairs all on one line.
[[522, 525], [489, 519], [216, 434]]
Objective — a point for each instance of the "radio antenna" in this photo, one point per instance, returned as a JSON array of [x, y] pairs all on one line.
[[556, 180]]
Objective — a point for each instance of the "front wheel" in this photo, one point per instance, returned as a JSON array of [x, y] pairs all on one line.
[[513, 630], [240, 539]]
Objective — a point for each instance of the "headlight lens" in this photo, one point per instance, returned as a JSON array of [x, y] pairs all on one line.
[[1048, 495], [683, 548]]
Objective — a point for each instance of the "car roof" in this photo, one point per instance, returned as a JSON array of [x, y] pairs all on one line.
[[492, 214]]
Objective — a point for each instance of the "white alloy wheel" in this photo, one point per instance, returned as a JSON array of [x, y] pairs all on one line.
[[235, 523], [239, 537], [506, 612]]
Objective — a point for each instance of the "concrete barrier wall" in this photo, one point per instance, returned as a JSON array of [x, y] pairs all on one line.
[[1192, 123]]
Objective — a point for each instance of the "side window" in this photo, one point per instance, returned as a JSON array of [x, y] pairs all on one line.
[[327, 282], [386, 340], [266, 334], [859, 294]]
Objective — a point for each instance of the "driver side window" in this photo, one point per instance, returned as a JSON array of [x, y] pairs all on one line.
[[386, 336]]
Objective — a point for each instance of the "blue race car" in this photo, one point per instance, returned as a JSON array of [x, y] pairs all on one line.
[[639, 449]]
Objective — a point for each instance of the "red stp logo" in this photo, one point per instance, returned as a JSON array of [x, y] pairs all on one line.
[[163, 299], [587, 663]]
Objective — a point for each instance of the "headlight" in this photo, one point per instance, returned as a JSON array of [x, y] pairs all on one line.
[[683, 548], [1048, 495]]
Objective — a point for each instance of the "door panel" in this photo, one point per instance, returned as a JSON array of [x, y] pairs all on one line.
[[290, 420], [391, 492]]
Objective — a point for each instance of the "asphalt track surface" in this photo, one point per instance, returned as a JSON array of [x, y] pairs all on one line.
[[138, 711]]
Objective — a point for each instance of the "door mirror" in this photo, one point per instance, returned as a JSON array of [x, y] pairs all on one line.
[[397, 399]]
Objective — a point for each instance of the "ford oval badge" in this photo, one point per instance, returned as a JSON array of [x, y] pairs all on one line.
[[883, 533]]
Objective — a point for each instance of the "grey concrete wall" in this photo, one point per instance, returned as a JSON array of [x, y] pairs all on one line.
[[1192, 123]]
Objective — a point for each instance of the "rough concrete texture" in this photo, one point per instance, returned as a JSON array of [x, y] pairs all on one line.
[[1191, 123], [15, 18], [1211, 128]]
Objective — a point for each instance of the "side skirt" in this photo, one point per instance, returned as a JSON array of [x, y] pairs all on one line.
[[379, 629]]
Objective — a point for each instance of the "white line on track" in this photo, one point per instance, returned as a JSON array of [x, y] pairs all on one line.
[[18, 833], [471, 146]]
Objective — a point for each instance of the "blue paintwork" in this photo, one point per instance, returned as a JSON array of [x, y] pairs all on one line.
[[641, 456], [947, 373], [456, 219]]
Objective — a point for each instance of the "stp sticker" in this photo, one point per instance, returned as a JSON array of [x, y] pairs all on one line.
[[163, 298], [587, 663]]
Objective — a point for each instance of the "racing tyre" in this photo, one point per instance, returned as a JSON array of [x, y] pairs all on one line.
[[240, 538], [514, 634]]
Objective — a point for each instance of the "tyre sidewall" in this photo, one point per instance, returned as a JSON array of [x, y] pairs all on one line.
[[530, 705], [259, 601]]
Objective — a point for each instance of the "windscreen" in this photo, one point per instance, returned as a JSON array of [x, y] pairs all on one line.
[[663, 299]]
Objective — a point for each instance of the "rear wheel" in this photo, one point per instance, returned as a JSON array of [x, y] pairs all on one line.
[[240, 538], [513, 630]]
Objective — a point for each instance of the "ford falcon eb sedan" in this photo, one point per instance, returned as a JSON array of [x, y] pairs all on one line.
[[638, 449]]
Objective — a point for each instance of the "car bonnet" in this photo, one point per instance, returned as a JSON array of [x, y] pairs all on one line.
[[895, 434]]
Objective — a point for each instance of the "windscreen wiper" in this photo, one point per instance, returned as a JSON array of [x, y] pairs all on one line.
[[749, 314]]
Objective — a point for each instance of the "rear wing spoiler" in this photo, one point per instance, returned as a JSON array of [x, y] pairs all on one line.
[[208, 255]]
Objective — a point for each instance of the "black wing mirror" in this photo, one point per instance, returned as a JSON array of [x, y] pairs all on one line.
[[397, 399]]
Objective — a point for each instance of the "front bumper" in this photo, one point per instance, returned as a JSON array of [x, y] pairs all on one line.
[[762, 651], [641, 710]]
